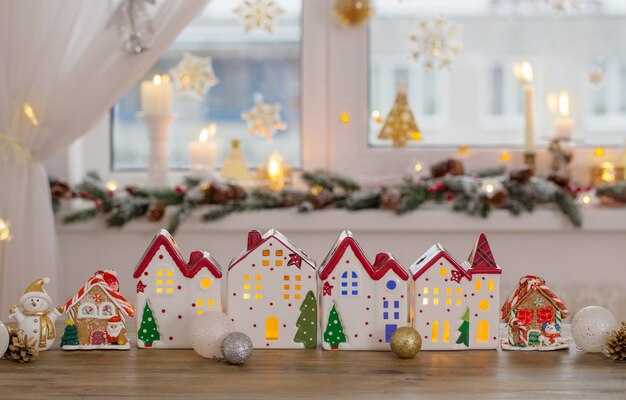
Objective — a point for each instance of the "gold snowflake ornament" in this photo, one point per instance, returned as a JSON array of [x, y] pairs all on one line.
[[596, 77], [562, 7], [435, 43], [259, 14], [263, 119], [194, 75]]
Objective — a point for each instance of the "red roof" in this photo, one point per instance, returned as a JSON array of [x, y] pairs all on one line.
[[97, 280], [430, 257], [528, 284], [383, 263], [197, 260], [481, 258], [255, 240]]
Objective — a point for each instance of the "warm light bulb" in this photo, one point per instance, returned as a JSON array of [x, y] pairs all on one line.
[[375, 113], [586, 199], [598, 151], [111, 185], [505, 156], [608, 172], [344, 118], [275, 166], [5, 232], [204, 136], [157, 79], [463, 149], [564, 104], [418, 166], [30, 113], [523, 72], [489, 187]]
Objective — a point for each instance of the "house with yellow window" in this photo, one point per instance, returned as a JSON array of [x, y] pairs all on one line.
[[272, 292], [455, 306], [172, 291]]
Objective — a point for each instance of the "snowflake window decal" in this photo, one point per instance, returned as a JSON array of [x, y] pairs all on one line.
[[264, 119], [435, 43], [194, 75], [259, 14]]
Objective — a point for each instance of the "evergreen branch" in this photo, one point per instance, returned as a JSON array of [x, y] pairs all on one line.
[[82, 215], [124, 212], [567, 205]]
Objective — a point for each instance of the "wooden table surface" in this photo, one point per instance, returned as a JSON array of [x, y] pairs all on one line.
[[295, 374]]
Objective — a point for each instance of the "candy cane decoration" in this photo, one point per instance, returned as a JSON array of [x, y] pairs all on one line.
[[119, 300]]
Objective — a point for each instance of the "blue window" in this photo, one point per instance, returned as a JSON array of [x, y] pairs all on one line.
[[396, 306], [391, 285], [389, 330], [349, 279]]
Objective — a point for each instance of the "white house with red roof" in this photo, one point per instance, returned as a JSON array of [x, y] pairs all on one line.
[[272, 292], [172, 291], [456, 306], [362, 303]]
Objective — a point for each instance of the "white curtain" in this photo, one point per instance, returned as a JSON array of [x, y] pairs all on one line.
[[60, 58]]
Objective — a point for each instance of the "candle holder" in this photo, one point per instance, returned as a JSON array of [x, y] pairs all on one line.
[[158, 156], [530, 160]]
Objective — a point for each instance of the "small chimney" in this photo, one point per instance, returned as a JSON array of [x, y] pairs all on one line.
[[254, 238], [381, 260], [195, 256]]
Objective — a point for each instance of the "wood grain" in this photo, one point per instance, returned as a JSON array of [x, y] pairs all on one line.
[[304, 374]]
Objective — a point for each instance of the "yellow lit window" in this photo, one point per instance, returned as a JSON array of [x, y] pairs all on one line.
[[436, 291], [279, 253], [266, 263], [246, 286], [298, 287], [246, 296], [298, 277], [205, 283], [286, 287], [211, 303], [435, 332], [258, 278], [286, 277], [286, 296], [297, 296], [167, 285], [425, 290], [257, 286], [443, 271], [483, 305], [459, 291], [257, 296], [448, 301], [246, 277], [459, 302], [200, 302], [448, 291], [446, 331], [435, 301], [482, 331], [478, 285], [271, 328], [491, 284], [200, 312], [425, 301], [266, 253], [279, 263]]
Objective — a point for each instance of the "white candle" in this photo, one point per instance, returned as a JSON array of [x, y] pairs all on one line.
[[202, 152], [524, 73], [564, 125], [156, 96]]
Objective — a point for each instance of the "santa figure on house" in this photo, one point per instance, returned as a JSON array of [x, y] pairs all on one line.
[[116, 332]]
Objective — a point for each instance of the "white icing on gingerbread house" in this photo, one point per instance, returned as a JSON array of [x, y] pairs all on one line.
[[362, 304], [456, 307], [272, 291], [171, 292]]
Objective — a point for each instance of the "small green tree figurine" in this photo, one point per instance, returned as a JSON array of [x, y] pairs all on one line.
[[70, 335], [464, 329], [333, 334], [307, 322], [148, 332]]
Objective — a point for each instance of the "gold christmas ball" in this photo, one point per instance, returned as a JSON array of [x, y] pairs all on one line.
[[406, 342], [352, 12]]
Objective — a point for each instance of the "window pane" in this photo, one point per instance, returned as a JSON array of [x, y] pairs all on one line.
[[477, 92], [245, 64]]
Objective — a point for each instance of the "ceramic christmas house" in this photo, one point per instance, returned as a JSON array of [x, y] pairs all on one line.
[[533, 314], [362, 303], [272, 290], [97, 313], [456, 306], [172, 291]]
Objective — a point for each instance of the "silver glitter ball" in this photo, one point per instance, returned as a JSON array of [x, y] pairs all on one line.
[[236, 348]]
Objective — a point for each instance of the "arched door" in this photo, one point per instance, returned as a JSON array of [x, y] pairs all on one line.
[[271, 328]]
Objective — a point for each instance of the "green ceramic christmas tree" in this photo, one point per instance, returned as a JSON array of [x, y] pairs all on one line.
[[70, 336], [148, 333], [307, 322], [333, 334], [464, 329]]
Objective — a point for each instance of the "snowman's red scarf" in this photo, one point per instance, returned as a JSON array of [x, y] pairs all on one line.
[[45, 324]]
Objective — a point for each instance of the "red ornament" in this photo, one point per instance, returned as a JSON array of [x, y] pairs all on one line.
[[141, 287], [295, 259], [180, 189], [327, 289]]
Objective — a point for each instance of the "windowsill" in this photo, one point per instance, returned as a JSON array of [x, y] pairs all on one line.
[[431, 218]]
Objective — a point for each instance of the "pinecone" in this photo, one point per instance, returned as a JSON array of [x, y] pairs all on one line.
[[559, 180], [217, 193], [389, 199], [449, 166], [60, 190], [521, 175], [615, 346], [236, 193], [322, 199], [156, 211], [500, 199], [21, 347]]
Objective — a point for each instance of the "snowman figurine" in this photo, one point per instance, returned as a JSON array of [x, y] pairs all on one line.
[[34, 315]]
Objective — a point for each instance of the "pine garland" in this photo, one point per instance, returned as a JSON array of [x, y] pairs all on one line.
[[519, 193]]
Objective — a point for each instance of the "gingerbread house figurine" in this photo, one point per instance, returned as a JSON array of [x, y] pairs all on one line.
[[362, 303], [272, 291], [456, 305], [172, 291], [533, 314], [98, 311]]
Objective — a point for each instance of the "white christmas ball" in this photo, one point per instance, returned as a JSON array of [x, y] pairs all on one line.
[[4, 339], [208, 331], [590, 327]]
